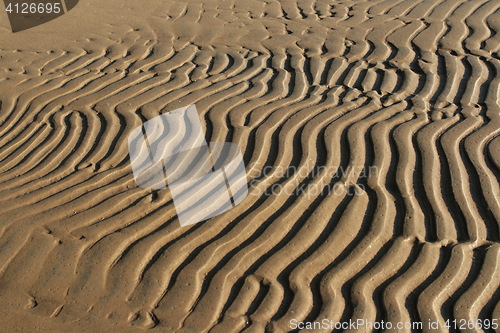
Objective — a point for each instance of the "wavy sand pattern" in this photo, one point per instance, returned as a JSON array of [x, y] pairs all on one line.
[[409, 88]]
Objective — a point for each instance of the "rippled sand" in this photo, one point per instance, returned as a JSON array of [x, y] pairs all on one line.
[[406, 88]]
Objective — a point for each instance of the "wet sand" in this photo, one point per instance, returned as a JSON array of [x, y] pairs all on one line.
[[406, 89]]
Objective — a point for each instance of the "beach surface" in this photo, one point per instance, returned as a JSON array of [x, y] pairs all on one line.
[[370, 131]]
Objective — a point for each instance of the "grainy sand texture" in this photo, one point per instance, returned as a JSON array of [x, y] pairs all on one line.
[[369, 131]]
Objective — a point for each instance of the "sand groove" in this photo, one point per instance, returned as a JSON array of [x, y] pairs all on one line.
[[393, 103]]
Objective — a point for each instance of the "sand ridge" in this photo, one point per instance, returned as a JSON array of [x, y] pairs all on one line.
[[408, 87]]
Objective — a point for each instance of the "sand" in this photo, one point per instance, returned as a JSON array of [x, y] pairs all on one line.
[[394, 104]]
